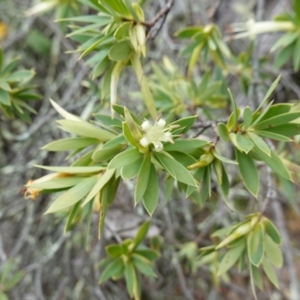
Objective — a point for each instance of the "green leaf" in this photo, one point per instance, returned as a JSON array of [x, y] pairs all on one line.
[[142, 179], [70, 144], [285, 40], [277, 120], [121, 51], [125, 158], [260, 143], [1, 58], [235, 110], [112, 269], [274, 162], [150, 254], [224, 159], [150, 198], [20, 76], [3, 296], [223, 132], [128, 135], [13, 281], [186, 146], [244, 144], [73, 195], [57, 183], [108, 121], [296, 55], [272, 231], [273, 135], [143, 265], [116, 7], [257, 277], [104, 154], [175, 169], [4, 97], [143, 83], [283, 56], [122, 31], [273, 252], [130, 171], [255, 245], [286, 130], [114, 250], [141, 234], [73, 170], [231, 257], [188, 32], [269, 270], [71, 217], [130, 278], [269, 92], [248, 172], [168, 188], [102, 179], [185, 123], [83, 128], [247, 117]]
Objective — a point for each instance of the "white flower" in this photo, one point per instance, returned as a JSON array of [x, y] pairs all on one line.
[[252, 28], [156, 134]]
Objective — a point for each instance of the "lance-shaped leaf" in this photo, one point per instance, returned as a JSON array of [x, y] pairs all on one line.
[[255, 245], [142, 81], [142, 179], [186, 146], [112, 269], [150, 198], [115, 75], [277, 121], [247, 117], [269, 270], [143, 265], [269, 92], [223, 132], [130, 171], [56, 183], [175, 169], [73, 195], [64, 113], [72, 170], [274, 162], [70, 144], [235, 109], [260, 143], [125, 158], [102, 179], [231, 257], [86, 129], [272, 231], [244, 144], [184, 124], [248, 172], [273, 252]]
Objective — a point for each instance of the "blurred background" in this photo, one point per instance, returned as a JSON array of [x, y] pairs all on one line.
[[36, 258]]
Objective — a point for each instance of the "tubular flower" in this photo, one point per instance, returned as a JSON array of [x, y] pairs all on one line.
[[156, 134], [252, 28]]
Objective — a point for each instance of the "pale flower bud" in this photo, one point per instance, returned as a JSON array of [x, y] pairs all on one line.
[[161, 123]]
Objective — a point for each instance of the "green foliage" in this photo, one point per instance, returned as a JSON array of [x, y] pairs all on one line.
[[255, 241], [14, 89], [9, 277], [129, 260], [167, 143]]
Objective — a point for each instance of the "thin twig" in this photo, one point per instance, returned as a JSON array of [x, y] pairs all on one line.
[[161, 16]]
